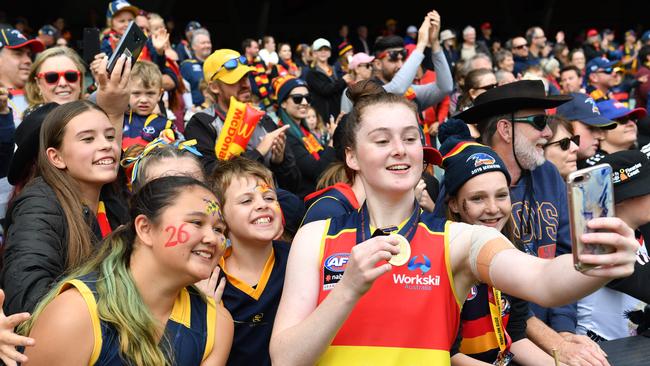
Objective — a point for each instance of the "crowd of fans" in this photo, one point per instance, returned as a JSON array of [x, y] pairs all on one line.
[[392, 201]]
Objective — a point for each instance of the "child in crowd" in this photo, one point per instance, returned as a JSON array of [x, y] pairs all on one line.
[[118, 16], [119, 316], [316, 126], [255, 262], [142, 124]]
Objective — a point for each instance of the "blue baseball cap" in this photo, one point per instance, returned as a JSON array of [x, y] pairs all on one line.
[[117, 6], [600, 64], [13, 39], [613, 109], [48, 30], [583, 108], [192, 26]]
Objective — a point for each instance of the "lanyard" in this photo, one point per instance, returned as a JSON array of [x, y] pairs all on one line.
[[494, 299], [407, 231]]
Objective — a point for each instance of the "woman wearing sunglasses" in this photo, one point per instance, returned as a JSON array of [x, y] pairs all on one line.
[[476, 83], [312, 157], [562, 148], [56, 76]]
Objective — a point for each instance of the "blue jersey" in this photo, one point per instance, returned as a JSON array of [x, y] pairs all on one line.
[[253, 308], [540, 212], [192, 71], [190, 330]]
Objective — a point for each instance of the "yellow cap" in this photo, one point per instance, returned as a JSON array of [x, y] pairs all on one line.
[[213, 70]]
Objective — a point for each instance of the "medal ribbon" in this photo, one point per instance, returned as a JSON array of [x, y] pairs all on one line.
[[494, 299], [407, 231]]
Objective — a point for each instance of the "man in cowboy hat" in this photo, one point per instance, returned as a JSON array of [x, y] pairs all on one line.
[[512, 120]]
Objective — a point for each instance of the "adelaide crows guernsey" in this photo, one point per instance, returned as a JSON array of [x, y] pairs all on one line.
[[253, 308], [410, 315], [190, 329], [141, 130]]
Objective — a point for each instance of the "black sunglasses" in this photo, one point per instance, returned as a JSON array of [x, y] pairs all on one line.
[[519, 47], [394, 54], [298, 98], [565, 142], [538, 121], [488, 87]]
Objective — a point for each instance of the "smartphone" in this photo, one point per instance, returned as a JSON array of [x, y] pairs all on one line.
[[90, 44], [591, 195], [130, 44]]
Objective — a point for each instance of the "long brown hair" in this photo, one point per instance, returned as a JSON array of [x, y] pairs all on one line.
[[65, 187]]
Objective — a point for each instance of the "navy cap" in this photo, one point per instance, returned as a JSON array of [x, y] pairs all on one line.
[[117, 6], [600, 64], [583, 108], [192, 26], [48, 30], [13, 39], [613, 109], [464, 158]]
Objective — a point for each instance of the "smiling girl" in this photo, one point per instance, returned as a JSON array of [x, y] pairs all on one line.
[[368, 296], [56, 220], [133, 302]]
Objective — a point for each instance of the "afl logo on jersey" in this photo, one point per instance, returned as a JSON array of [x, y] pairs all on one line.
[[472, 293], [337, 262]]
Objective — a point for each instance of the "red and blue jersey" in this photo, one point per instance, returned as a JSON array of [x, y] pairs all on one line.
[[141, 130], [410, 315]]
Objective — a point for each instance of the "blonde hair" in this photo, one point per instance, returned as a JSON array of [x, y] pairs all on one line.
[[237, 167], [32, 90], [147, 73]]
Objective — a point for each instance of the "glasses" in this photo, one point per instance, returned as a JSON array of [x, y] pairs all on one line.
[[608, 70], [487, 87], [52, 77], [519, 47], [565, 142], [538, 121], [298, 98], [231, 64], [393, 55]]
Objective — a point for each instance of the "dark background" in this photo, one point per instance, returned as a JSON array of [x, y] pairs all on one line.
[[230, 21]]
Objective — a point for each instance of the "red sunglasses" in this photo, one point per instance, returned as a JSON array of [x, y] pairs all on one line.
[[52, 77]]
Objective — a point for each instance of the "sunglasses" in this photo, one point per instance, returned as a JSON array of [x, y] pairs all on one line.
[[538, 121], [298, 98], [519, 47], [52, 77], [565, 142], [488, 87], [393, 55], [606, 71], [231, 64]]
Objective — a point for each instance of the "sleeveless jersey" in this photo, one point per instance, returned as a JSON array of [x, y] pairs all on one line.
[[190, 329], [253, 308], [410, 315]]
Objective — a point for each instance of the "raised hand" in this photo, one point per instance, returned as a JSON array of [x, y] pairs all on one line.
[[9, 340]]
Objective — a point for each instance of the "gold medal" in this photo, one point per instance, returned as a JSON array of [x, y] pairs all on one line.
[[404, 251]]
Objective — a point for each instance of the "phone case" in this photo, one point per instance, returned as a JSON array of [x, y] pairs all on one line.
[[591, 195], [130, 44]]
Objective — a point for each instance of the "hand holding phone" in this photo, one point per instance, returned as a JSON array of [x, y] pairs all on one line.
[[131, 44], [591, 195]]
